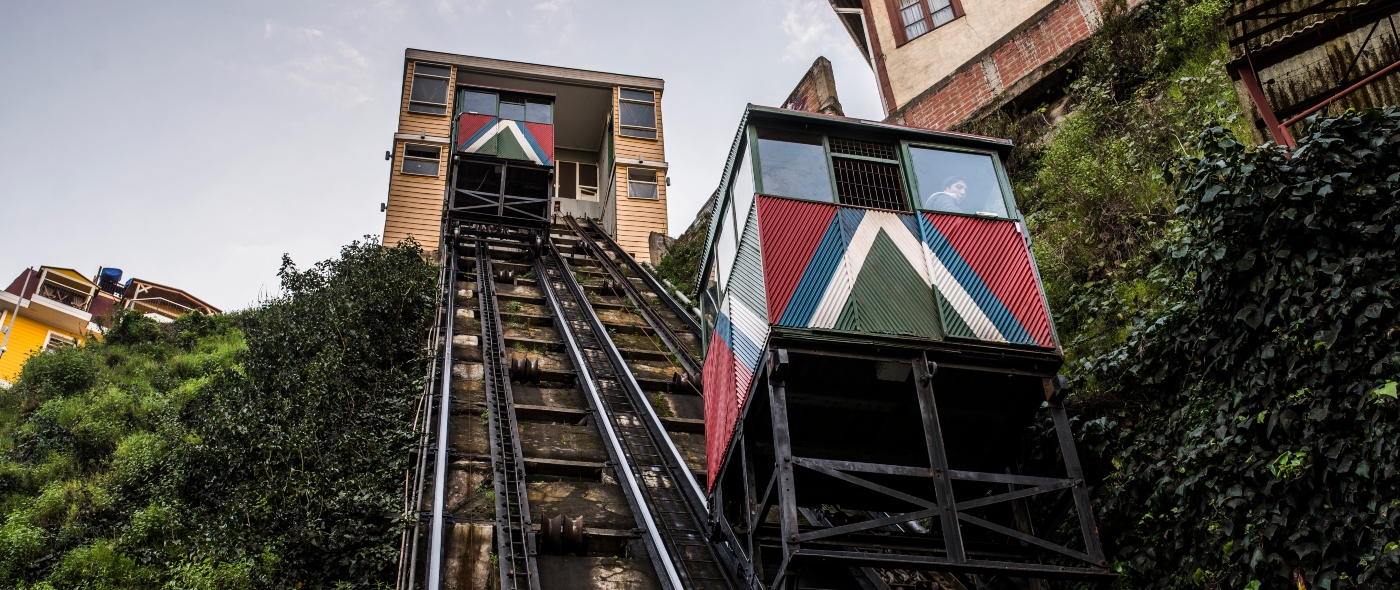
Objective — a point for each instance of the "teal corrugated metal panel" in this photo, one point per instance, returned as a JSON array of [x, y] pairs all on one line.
[[746, 283]]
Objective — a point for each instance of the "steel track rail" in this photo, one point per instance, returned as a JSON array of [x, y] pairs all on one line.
[[681, 312], [660, 559], [422, 423], [515, 538], [658, 325], [668, 500], [435, 555]]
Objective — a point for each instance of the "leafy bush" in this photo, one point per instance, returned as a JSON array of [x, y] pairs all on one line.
[[1259, 432], [261, 449], [132, 327], [682, 260]]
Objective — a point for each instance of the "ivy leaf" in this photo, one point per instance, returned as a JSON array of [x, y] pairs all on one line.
[[1387, 390]]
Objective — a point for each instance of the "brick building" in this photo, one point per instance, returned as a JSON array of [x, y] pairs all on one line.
[[942, 62]]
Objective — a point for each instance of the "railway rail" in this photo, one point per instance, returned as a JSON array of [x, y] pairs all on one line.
[[562, 430]]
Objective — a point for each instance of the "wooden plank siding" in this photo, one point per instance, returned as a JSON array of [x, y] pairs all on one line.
[[637, 218], [415, 202]]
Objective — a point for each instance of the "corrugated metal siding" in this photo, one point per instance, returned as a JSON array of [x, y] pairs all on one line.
[[890, 296], [791, 233], [990, 260], [471, 128], [747, 279], [543, 135], [721, 409]]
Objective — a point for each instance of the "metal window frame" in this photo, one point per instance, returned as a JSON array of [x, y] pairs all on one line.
[[655, 127], [413, 81], [1003, 181], [405, 157]]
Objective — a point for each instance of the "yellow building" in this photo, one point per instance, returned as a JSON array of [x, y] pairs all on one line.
[[45, 309], [524, 142]]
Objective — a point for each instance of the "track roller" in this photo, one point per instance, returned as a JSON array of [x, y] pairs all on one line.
[[563, 536], [683, 383], [525, 370]]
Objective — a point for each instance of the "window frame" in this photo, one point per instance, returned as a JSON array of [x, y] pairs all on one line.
[[1003, 181], [897, 21], [627, 170], [901, 160], [413, 80], [404, 158], [757, 162], [66, 341], [524, 98], [655, 128]]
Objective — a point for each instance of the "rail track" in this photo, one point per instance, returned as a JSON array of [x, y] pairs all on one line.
[[563, 435]]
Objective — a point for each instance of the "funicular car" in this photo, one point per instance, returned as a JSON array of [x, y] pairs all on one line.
[[877, 345]]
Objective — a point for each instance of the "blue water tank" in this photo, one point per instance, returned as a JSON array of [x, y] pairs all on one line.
[[111, 274]]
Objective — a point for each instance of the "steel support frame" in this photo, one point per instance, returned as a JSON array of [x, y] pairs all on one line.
[[802, 545], [498, 205]]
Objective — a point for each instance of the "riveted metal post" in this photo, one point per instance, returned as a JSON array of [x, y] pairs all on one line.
[[1082, 505], [938, 458]]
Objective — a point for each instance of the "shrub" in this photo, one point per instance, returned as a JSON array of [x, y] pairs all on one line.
[[1261, 438]]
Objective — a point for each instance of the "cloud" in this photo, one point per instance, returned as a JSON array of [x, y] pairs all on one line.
[[812, 30], [322, 64], [553, 19], [451, 8]]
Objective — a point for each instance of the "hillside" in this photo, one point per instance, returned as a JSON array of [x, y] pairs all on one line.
[[261, 449]]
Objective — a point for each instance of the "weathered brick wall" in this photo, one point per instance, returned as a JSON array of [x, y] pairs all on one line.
[[952, 100]]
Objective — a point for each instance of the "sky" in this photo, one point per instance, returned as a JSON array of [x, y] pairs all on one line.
[[193, 144]]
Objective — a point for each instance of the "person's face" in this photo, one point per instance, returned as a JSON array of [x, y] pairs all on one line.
[[958, 189]]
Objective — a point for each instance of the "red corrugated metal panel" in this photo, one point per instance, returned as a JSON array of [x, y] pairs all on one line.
[[468, 125], [544, 135], [997, 252], [789, 232], [721, 412]]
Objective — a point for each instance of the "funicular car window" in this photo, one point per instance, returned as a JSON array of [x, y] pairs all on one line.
[[726, 249], [957, 182], [743, 187], [793, 165]]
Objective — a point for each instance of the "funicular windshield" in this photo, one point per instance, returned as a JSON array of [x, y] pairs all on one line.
[[957, 182]]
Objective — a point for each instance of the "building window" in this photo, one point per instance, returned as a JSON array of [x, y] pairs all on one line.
[[867, 174], [429, 93], [957, 182], [577, 181], [56, 341], [917, 17], [638, 113], [641, 184], [422, 160], [793, 165], [506, 106]]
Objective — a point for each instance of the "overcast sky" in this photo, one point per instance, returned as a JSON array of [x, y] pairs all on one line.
[[192, 144]]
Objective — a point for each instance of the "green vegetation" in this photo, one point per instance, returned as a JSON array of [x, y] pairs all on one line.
[[262, 449], [682, 260], [1255, 434], [1090, 183], [1227, 313]]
